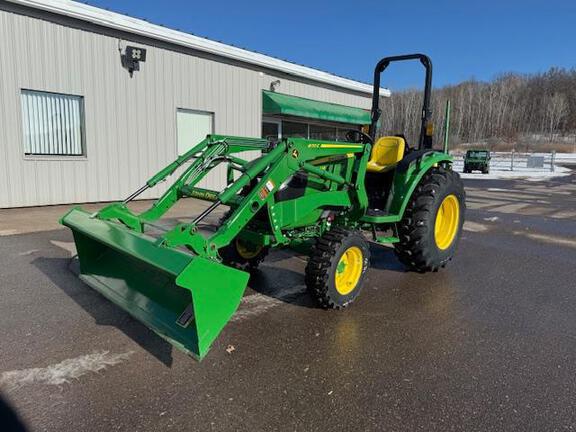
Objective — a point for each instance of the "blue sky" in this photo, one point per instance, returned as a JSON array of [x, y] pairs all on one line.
[[465, 38]]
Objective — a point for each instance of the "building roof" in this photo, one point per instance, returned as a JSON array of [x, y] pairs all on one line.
[[137, 26]]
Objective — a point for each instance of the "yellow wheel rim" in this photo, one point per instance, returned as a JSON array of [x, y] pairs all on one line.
[[447, 222], [247, 250], [349, 270]]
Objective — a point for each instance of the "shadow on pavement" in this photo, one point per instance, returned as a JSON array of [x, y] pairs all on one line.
[[288, 285], [281, 284], [9, 418], [383, 258], [103, 311]]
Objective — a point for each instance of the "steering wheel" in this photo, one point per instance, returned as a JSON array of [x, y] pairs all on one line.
[[354, 135]]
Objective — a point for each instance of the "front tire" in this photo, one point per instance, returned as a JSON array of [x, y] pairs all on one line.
[[242, 254], [337, 267], [431, 227]]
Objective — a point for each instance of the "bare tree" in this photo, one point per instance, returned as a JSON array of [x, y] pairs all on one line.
[[556, 110], [504, 108]]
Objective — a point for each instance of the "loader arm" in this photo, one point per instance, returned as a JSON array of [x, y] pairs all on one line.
[[282, 163]]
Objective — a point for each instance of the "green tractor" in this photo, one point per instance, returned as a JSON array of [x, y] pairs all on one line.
[[477, 160], [322, 196]]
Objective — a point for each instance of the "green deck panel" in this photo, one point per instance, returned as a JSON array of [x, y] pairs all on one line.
[[278, 103], [387, 240]]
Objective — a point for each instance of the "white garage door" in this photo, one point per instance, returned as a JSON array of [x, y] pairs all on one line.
[[193, 126]]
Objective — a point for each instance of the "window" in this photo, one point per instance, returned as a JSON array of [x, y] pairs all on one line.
[[341, 133], [53, 124], [319, 132], [294, 130], [283, 128], [270, 129], [476, 153], [192, 127]]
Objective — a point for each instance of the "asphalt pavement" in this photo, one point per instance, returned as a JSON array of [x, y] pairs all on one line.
[[486, 344]]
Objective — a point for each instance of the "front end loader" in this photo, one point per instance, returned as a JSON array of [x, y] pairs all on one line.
[[321, 196]]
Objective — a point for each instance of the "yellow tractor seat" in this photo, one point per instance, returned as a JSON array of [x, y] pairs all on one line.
[[386, 153]]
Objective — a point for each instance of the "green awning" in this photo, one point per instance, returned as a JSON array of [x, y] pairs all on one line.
[[277, 103]]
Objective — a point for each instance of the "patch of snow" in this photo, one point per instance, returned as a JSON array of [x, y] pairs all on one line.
[[499, 190], [491, 219], [474, 227], [64, 371], [520, 173], [257, 304]]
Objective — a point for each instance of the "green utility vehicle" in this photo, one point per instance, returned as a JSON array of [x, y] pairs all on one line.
[[477, 160], [329, 196]]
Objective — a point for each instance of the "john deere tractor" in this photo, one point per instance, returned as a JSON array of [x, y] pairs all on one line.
[[329, 198], [477, 160]]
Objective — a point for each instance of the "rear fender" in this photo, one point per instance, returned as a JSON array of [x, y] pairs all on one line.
[[406, 180]]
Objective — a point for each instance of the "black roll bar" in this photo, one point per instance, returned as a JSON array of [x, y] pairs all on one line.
[[425, 140]]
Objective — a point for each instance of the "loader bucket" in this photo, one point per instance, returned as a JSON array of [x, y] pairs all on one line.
[[185, 299]]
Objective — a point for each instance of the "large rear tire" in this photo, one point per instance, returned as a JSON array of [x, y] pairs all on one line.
[[337, 267], [431, 227]]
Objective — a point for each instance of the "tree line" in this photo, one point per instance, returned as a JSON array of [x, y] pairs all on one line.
[[510, 108]]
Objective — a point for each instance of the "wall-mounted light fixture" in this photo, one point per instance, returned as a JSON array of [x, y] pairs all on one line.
[[132, 57], [274, 84]]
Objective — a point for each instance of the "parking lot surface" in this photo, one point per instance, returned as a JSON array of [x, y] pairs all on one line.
[[488, 343]]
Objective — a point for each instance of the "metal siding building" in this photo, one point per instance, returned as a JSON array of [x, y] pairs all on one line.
[[129, 123]]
